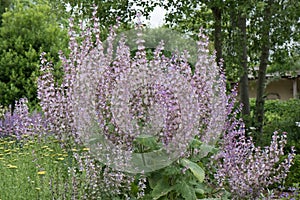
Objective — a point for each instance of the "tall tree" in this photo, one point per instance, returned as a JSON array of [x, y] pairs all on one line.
[[242, 49], [244, 89], [217, 13], [264, 60], [275, 24]]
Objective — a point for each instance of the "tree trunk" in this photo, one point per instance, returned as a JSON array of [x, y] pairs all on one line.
[[264, 59], [244, 92], [217, 12]]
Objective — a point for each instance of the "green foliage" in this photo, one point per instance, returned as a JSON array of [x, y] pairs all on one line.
[[27, 30], [146, 143], [284, 28], [108, 12], [195, 169], [2, 111], [286, 63], [281, 116], [4, 4], [294, 174], [184, 179], [171, 183]]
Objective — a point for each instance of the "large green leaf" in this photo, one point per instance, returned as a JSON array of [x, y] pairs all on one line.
[[186, 191], [147, 141], [208, 148], [195, 169], [204, 149], [161, 189]]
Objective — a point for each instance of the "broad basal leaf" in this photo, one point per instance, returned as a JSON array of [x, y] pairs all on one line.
[[195, 169]]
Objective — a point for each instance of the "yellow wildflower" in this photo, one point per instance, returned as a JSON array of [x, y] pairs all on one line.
[[41, 173], [12, 166]]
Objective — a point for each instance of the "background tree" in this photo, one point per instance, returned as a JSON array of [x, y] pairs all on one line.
[[108, 11], [274, 25], [245, 35], [27, 30], [237, 48]]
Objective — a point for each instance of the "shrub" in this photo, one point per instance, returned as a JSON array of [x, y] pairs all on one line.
[[28, 28], [281, 116], [294, 174]]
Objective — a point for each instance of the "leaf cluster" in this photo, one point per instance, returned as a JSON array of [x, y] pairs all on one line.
[[185, 178]]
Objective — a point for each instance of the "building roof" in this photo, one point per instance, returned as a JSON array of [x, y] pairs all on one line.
[[253, 74]]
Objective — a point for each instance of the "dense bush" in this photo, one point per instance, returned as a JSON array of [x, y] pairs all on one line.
[[294, 174], [157, 104], [27, 30], [281, 116]]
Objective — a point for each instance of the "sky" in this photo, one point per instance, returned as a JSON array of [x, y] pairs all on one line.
[[157, 17]]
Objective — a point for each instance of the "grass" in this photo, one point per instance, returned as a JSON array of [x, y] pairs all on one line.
[[36, 168], [40, 168]]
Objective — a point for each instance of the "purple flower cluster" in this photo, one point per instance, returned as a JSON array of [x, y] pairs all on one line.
[[20, 122], [248, 170], [108, 93]]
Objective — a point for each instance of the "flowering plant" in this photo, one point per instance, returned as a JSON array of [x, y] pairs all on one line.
[[246, 169], [146, 122]]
